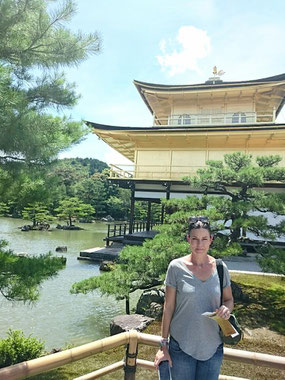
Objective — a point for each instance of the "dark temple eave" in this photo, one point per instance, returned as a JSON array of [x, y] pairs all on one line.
[[126, 140], [201, 128]]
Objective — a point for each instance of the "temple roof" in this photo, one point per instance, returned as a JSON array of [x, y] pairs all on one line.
[[214, 85], [208, 84], [127, 140]]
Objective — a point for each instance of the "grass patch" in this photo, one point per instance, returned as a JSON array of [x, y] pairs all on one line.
[[266, 306], [265, 310]]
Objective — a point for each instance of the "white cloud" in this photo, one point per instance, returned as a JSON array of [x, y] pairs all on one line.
[[194, 44]]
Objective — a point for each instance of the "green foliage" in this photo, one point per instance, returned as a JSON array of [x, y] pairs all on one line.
[[4, 209], [20, 277], [85, 179], [237, 161], [268, 161], [25, 188], [38, 38], [97, 190], [141, 211], [34, 45], [92, 164], [118, 207], [38, 214], [17, 348], [69, 176], [73, 209], [272, 259]]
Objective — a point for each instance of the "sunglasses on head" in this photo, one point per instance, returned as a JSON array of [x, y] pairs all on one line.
[[203, 219]]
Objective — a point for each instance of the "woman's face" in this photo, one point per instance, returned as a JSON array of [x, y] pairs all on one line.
[[200, 241]]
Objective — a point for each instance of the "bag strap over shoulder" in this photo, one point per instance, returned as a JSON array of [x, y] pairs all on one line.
[[220, 269]]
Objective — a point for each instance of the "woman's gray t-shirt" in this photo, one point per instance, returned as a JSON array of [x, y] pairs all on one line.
[[196, 334]]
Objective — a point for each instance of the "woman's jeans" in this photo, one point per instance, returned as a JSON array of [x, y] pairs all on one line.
[[185, 367]]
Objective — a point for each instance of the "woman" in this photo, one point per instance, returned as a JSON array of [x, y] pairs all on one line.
[[195, 349]]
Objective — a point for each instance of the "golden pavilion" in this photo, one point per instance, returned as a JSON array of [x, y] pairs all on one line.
[[194, 123]]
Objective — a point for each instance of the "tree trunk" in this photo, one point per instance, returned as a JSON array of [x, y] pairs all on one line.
[[235, 234]]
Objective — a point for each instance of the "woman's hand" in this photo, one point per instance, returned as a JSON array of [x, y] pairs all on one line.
[[162, 355], [223, 312]]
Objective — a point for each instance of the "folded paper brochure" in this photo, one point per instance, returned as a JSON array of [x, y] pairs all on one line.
[[225, 325]]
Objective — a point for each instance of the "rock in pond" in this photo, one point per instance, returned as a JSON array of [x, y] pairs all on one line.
[[108, 218], [123, 323], [106, 266], [62, 248]]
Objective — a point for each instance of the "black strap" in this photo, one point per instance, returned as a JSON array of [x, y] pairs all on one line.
[[132, 356], [220, 269], [130, 368]]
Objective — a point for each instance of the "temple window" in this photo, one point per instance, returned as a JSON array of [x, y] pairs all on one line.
[[239, 117], [184, 119]]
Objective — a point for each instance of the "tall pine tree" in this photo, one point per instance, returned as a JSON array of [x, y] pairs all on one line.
[[35, 45]]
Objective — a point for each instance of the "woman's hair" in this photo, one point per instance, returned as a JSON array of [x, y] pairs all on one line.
[[198, 222]]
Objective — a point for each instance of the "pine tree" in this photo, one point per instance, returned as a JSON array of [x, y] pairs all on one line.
[[34, 45], [73, 209], [39, 214], [20, 277]]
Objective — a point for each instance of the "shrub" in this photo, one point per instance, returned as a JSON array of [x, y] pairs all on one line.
[[17, 348]]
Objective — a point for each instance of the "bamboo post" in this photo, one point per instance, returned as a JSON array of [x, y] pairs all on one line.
[[131, 356]]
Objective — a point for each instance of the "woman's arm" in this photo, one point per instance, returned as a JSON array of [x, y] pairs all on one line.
[[168, 310], [228, 303]]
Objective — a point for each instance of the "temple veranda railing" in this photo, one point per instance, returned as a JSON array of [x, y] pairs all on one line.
[[121, 229], [215, 118], [157, 171], [131, 339]]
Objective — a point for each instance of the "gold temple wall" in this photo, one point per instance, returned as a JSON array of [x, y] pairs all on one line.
[[175, 164]]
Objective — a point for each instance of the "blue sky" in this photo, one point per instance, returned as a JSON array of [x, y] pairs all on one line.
[[168, 42]]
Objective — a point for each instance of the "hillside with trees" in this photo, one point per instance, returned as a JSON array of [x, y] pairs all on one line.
[[83, 178]]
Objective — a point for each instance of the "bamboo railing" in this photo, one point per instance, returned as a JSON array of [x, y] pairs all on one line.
[[131, 338]]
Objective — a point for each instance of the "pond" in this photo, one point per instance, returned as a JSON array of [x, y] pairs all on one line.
[[60, 318]]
